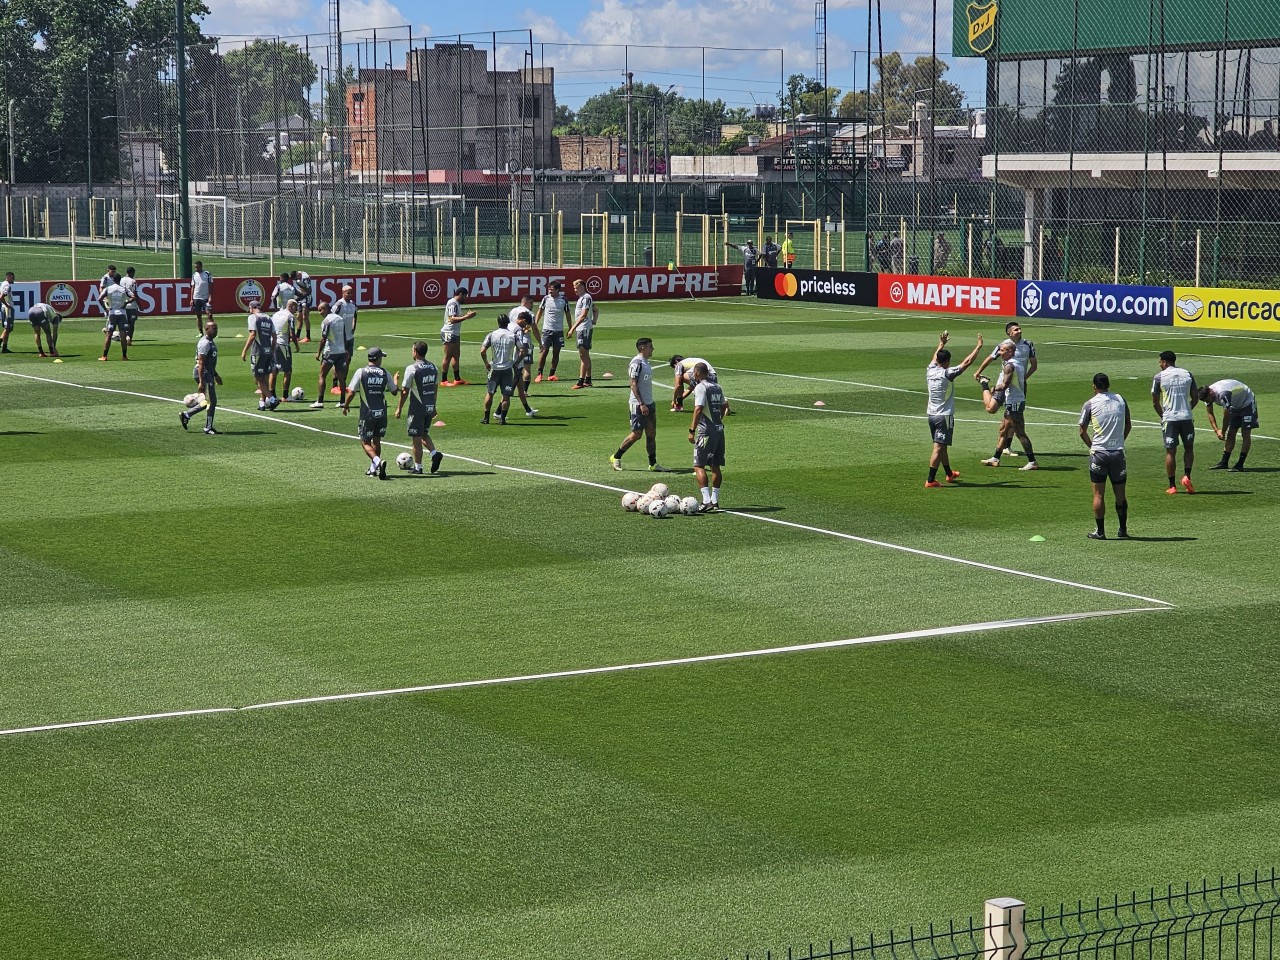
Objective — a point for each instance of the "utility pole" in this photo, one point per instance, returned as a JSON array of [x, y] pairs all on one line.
[[629, 144], [184, 201]]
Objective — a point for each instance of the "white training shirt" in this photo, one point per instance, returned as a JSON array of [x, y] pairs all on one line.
[[553, 314], [1174, 387], [640, 371], [1012, 378], [336, 332], [115, 297], [348, 309], [452, 309], [1233, 395], [942, 389], [503, 344], [684, 369], [201, 285], [586, 312], [282, 320], [131, 286], [1106, 412]]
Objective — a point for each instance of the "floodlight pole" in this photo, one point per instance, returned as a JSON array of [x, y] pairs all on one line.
[[184, 202]]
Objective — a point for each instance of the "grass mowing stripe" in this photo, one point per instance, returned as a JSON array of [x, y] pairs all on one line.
[[963, 628], [601, 486]]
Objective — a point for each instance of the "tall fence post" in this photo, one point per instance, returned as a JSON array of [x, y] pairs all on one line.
[[1006, 935]]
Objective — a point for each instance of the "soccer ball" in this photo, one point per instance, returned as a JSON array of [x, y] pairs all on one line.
[[659, 490], [644, 502], [658, 508], [689, 506], [629, 502], [296, 394], [405, 460], [673, 503], [193, 399]]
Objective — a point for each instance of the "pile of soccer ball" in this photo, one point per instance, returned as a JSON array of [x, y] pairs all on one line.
[[659, 502]]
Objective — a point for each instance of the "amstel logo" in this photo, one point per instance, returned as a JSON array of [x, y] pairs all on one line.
[[785, 284], [63, 298], [249, 291], [982, 26]]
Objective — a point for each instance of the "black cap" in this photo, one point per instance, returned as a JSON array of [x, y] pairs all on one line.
[[376, 353]]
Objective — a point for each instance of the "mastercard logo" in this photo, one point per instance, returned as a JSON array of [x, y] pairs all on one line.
[[785, 285]]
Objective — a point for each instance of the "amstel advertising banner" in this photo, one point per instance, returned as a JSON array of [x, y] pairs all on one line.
[[992, 298], [79, 298], [817, 286], [1048, 299], [1226, 309]]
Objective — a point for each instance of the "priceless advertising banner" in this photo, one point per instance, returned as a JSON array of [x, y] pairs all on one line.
[[1226, 309], [80, 298], [992, 298], [1049, 299], [817, 286]]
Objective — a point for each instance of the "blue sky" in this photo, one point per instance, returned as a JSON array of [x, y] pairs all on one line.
[[585, 39]]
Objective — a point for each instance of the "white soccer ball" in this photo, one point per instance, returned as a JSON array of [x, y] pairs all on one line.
[[672, 502], [193, 399], [659, 490], [644, 502], [658, 508], [297, 393], [405, 460], [629, 501], [689, 506]]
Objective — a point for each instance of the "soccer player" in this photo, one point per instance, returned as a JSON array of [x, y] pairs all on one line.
[[750, 256], [770, 252], [6, 311], [550, 320], [524, 306], [1108, 414], [303, 287], [1024, 351], [372, 384], [130, 283], [332, 354], [44, 317], [502, 375], [585, 317], [644, 420], [201, 295], [207, 380], [282, 292], [420, 387], [262, 342], [683, 386], [940, 378], [1009, 391], [346, 306], [1240, 413], [116, 298], [706, 433], [286, 327], [451, 337], [1173, 394], [524, 333]]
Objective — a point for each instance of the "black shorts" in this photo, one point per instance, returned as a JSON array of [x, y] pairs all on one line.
[[1107, 465], [552, 338], [942, 429], [373, 426], [1245, 421], [644, 421], [501, 381], [584, 339], [1178, 431], [200, 306], [420, 423], [1013, 412], [115, 321], [261, 362], [284, 361], [708, 448]]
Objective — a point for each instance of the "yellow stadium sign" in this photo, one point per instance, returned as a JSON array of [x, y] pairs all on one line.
[[1226, 309], [982, 26]]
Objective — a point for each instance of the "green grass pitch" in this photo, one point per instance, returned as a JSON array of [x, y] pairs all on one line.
[[703, 808]]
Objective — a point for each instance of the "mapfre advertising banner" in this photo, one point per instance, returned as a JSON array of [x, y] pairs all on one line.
[[992, 298], [1226, 309], [1048, 299], [79, 298], [817, 286]]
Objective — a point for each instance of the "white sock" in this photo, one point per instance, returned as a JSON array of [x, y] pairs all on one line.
[[706, 494], [715, 494]]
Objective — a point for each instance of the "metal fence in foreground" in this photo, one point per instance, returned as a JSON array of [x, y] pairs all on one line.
[[1230, 919]]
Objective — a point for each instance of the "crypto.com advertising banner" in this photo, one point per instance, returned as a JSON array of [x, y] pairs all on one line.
[[80, 298], [1051, 300], [993, 298], [817, 286], [1226, 309]]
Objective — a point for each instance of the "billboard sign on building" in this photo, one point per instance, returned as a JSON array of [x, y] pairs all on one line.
[[817, 286], [1049, 299], [1226, 309], [992, 298]]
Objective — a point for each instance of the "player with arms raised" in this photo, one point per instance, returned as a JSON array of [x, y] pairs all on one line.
[[940, 377]]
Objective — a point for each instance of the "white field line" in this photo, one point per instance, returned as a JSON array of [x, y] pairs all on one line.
[[578, 481], [1093, 345], [612, 668]]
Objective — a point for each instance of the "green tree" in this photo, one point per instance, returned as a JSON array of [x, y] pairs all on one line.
[[804, 95], [901, 85], [273, 78]]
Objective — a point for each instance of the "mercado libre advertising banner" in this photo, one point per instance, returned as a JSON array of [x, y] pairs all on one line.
[[80, 298], [995, 298], [855, 289], [1226, 309], [1079, 301]]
